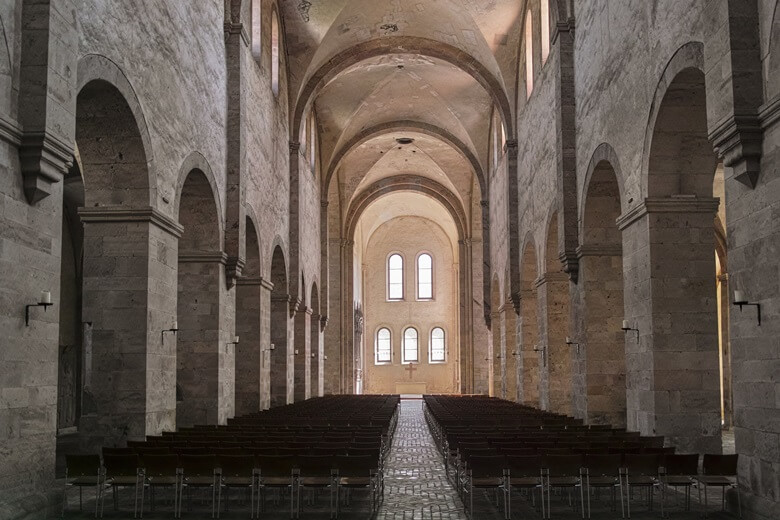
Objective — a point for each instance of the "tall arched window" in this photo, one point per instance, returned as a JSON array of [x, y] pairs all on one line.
[[545, 30], [257, 26], [438, 349], [424, 277], [383, 350], [313, 142], [395, 277], [529, 53], [275, 54], [410, 352]]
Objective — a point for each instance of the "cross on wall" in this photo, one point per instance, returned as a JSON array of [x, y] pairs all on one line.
[[410, 368]]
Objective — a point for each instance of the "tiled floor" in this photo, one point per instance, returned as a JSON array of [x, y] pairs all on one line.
[[416, 488]]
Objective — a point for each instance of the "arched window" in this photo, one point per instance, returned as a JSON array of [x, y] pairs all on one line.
[[313, 142], [545, 30], [275, 54], [529, 54], [395, 277], [438, 350], [410, 352], [383, 350], [424, 277], [257, 26]]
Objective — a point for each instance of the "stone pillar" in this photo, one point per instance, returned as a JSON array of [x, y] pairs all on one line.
[[129, 297], [302, 379], [204, 380], [250, 350], [494, 359], [281, 383], [511, 350], [527, 340], [673, 379], [316, 355], [266, 289], [599, 369], [725, 350], [555, 392]]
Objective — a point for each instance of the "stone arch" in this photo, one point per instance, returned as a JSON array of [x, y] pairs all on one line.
[[280, 362], [495, 354], [249, 308], [98, 74], [555, 308], [402, 45], [772, 71], [528, 360], [6, 67], [196, 161], [599, 394], [604, 154], [407, 125], [688, 58], [200, 360], [316, 351]]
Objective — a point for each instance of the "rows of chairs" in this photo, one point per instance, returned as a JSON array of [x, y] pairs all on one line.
[[533, 451], [259, 456]]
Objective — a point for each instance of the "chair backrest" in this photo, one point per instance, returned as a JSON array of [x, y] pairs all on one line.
[[198, 465], [315, 465], [562, 465], [117, 451], [491, 466], [641, 464], [356, 466], [275, 465], [236, 465], [516, 452], [720, 465], [82, 465], [121, 465], [687, 465], [603, 464], [160, 465], [524, 465]]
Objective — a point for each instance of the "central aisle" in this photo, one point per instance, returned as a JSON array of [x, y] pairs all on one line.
[[416, 485]]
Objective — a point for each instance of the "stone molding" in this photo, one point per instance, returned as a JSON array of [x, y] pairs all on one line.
[[118, 214], [44, 160], [232, 28], [203, 257], [558, 276], [674, 204], [258, 281], [286, 298], [10, 131], [571, 265], [598, 250], [738, 141], [769, 113]]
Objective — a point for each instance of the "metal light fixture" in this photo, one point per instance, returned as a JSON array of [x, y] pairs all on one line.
[[44, 302], [572, 343], [626, 327], [741, 300], [234, 342], [173, 330], [542, 350]]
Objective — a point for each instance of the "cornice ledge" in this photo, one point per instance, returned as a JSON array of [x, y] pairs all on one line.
[[233, 28], [203, 257], [10, 131], [44, 160], [598, 250], [149, 214], [674, 204], [738, 141], [769, 113]]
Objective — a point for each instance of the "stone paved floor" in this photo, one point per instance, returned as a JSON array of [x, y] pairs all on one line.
[[416, 488]]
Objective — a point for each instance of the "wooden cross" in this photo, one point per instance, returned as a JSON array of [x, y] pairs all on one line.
[[410, 368]]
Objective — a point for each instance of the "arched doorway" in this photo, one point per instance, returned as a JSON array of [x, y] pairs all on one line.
[[281, 378], [249, 362], [600, 381], [200, 360], [529, 391]]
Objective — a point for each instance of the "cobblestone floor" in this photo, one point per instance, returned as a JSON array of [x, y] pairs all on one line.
[[416, 488]]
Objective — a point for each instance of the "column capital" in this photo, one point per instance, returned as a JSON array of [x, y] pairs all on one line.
[[203, 257], [673, 204], [738, 141], [295, 146], [236, 28], [599, 250]]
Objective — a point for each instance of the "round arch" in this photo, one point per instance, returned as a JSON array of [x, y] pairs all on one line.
[[95, 67], [604, 153], [196, 161], [406, 126]]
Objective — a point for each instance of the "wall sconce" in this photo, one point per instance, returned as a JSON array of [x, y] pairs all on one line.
[[44, 302], [542, 350], [570, 343], [313, 355], [234, 342], [269, 349], [626, 327], [296, 351], [740, 300], [173, 330], [325, 358]]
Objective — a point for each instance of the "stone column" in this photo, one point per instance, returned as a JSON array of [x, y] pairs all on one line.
[[129, 297], [316, 355], [204, 380], [266, 289], [528, 332], [555, 392], [725, 350], [673, 379], [302, 354], [249, 351], [512, 353], [280, 370], [494, 355]]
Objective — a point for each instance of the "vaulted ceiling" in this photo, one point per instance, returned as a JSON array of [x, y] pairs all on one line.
[[428, 70]]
